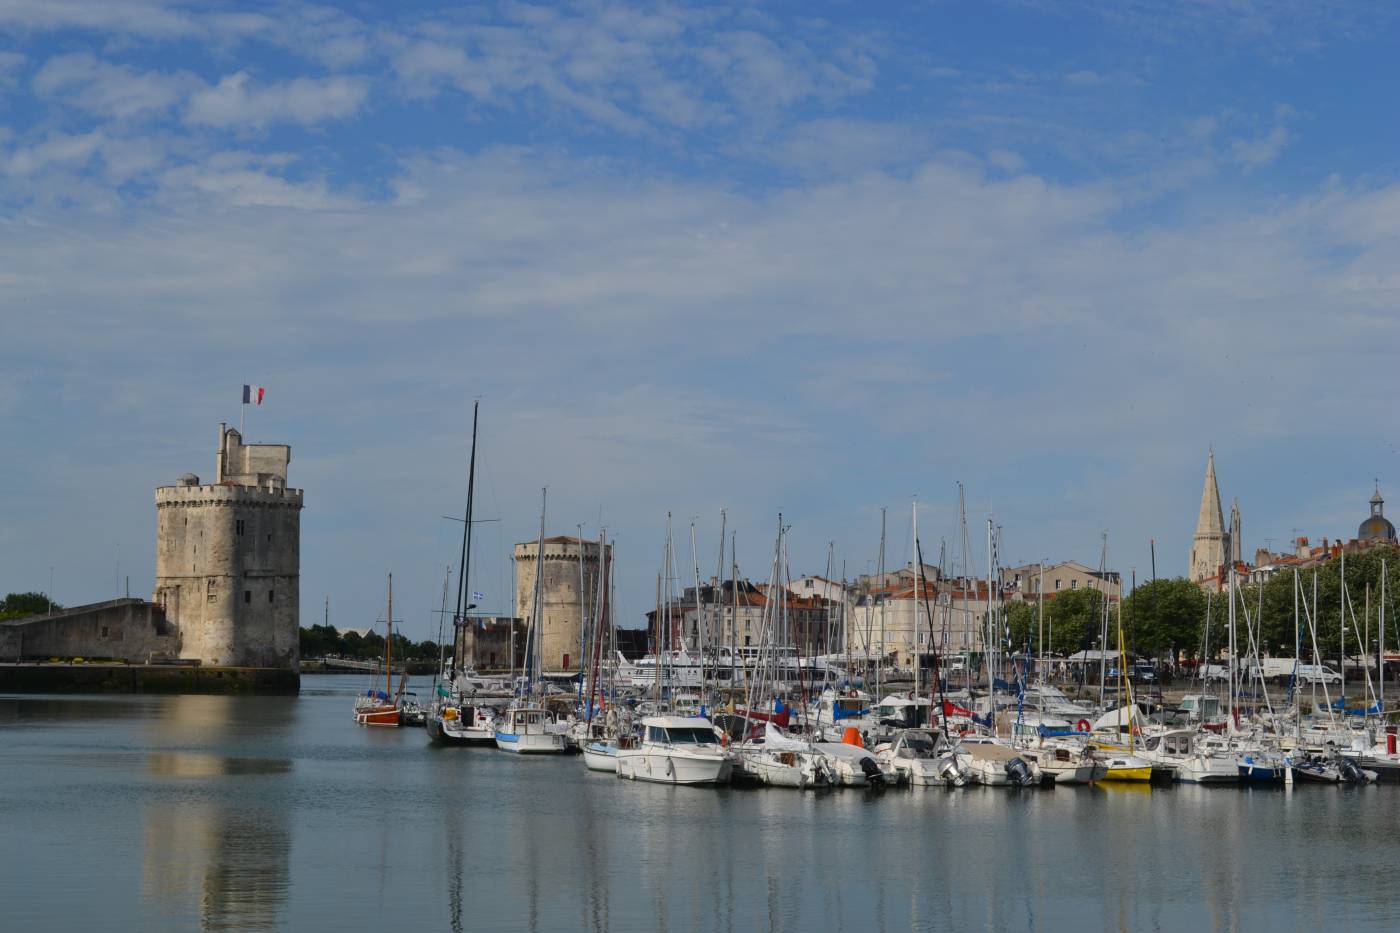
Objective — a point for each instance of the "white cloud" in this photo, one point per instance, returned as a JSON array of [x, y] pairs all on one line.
[[139, 17], [109, 90], [1252, 153], [238, 102], [57, 149]]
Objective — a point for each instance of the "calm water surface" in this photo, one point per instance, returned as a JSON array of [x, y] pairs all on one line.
[[225, 813]]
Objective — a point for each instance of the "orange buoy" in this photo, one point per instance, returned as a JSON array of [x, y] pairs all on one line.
[[852, 737]]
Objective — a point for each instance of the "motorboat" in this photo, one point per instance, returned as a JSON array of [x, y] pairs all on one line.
[[923, 758], [997, 765], [1066, 762], [779, 760], [854, 766], [676, 750], [529, 730], [1179, 750], [1315, 769], [461, 724]]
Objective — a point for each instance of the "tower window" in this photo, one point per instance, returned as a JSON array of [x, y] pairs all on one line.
[[238, 527], [269, 595], [247, 596]]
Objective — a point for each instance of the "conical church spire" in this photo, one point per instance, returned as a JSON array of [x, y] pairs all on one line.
[[1208, 545]]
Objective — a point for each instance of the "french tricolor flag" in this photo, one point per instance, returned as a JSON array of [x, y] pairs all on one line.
[[249, 398]]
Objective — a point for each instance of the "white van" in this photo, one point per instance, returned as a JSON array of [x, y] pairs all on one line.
[[1317, 674]]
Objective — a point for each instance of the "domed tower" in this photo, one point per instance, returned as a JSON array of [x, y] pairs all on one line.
[[1376, 527], [228, 558]]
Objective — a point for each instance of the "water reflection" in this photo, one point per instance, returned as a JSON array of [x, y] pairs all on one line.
[[212, 844]]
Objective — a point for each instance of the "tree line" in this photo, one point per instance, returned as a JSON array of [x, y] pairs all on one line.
[[1174, 618], [19, 605], [321, 641]]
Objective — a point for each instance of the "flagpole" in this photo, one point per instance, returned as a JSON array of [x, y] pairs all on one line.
[[241, 409]]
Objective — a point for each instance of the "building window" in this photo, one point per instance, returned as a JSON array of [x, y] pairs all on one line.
[[104, 631], [247, 596], [1074, 584], [213, 597], [238, 527], [1057, 583], [270, 595]]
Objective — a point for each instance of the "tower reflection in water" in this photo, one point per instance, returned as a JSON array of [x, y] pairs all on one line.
[[217, 843]]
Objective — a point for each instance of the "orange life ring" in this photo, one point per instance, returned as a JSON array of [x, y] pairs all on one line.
[[1082, 725]]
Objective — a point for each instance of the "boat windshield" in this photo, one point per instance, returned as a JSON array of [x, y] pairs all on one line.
[[918, 744], [698, 736]]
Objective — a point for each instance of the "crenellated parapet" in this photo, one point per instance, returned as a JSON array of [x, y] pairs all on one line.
[[227, 496]]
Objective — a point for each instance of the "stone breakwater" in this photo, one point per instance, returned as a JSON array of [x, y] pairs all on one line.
[[147, 678]]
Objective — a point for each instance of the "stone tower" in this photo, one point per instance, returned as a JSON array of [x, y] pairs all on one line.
[[1209, 547], [228, 558], [559, 596]]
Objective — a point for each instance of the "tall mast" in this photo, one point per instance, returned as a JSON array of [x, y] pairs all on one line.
[[702, 631], [991, 684], [1040, 594], [1103, 627], [715, 607], [1380, 643], [535, 665], [465, 571], [918, 579], [1341, 608], [583, 639], [389, 643], [884, 598]]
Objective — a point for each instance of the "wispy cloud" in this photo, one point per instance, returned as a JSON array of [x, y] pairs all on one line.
[[237, 101]]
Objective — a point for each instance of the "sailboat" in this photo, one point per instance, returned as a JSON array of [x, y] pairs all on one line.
[[453, 718], [525, 727], [380, 707]]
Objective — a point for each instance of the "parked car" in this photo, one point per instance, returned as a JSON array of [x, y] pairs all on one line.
[[1143, 673]]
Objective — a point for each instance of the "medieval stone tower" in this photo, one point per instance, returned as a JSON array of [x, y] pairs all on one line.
[[1211, 544], [228, 557], [561, 610]]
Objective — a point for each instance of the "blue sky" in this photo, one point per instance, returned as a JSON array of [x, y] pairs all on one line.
[[809, 258]]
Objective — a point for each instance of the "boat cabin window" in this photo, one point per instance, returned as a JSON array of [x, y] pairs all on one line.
[[688, 736], [917, 743]]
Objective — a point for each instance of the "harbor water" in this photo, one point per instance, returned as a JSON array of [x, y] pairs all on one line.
[[157, 813]]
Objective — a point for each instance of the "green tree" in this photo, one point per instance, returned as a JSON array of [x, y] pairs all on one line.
[[1320, 588], [1072, 622], [1165, 618], [19, 605]]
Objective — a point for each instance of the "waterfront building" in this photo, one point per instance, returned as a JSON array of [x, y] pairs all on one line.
[[1025, 582], [569, 594], [228, 558], [734, 613]]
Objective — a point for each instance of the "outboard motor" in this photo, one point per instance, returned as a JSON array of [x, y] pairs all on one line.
[[1350, 771], [1019, 772], [874, 777]]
